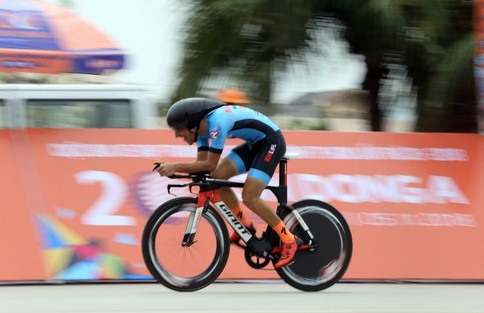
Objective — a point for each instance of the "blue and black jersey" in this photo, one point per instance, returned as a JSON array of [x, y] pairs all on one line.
[[234, 121]]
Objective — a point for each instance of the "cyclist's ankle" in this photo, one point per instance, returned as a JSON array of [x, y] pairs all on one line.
[[242, 216], [284, 233]]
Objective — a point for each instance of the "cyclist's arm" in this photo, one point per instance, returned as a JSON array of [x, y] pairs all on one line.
[[202, 154], [206, 162]]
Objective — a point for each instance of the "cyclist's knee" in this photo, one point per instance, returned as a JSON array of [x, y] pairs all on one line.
[[251, 192], [250, 201], [250, 198]]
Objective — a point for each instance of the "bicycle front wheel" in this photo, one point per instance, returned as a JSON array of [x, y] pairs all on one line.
[[179, 266], [325, 265]]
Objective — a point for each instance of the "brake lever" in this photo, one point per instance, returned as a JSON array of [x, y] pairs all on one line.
[[157, 165], [175, 186], [190, 189]]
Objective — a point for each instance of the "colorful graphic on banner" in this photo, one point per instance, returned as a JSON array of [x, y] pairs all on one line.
[[69, 256]]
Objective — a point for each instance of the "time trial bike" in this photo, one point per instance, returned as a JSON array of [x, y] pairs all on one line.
[[186, 244]]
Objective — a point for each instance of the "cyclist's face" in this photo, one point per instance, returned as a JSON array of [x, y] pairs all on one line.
[[187, 135]]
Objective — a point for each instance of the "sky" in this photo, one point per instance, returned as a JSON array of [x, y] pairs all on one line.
[[151, 31]]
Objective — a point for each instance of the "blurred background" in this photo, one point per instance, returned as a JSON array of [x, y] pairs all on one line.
[[385, 85], [344, 65]]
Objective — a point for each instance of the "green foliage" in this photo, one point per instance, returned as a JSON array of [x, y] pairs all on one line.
[[247, 40], [250, 41]]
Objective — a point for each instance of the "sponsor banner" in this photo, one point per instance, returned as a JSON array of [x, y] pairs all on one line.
[[412, 200]]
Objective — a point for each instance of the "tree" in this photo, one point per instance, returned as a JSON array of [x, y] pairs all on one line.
[[372, 30], [433, 39], [251, 40], [442, 66], [247, 41]]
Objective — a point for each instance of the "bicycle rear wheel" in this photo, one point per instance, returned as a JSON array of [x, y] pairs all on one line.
[[184, 267], [319, 269]]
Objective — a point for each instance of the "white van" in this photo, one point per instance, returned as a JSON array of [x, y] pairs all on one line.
[[75, 106]]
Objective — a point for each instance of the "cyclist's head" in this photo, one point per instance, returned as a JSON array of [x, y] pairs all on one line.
[[232, 96], [189, 112]]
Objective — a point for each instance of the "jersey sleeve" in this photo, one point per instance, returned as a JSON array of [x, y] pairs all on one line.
[[218, 131], [202, 144]]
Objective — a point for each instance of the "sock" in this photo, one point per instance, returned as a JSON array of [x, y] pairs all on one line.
[[241, 216], [284, 233]]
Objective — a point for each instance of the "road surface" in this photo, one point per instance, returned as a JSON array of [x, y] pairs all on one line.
[[243, 297]]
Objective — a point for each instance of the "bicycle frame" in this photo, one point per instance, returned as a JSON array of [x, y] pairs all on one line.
[[208, 195]]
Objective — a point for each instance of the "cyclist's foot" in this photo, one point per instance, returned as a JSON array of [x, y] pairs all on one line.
[[234, 238], [288, 252]]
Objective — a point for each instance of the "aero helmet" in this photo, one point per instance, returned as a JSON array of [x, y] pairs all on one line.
[[189, 112]]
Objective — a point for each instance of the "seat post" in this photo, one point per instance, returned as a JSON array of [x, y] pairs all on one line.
[[283, 172]]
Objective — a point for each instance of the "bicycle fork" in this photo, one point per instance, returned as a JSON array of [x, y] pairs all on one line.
[[192, 226], [204, 199]]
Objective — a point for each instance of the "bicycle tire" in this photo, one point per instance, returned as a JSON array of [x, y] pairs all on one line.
[[320, 269], [163, 250]]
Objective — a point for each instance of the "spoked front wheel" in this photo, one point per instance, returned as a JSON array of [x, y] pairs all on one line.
[[176, 264], [323, 265]]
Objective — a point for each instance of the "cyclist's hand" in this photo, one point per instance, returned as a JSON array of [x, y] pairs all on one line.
[[156, 166], [165, 169]]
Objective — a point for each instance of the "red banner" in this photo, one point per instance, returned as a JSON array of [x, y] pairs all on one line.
[[76, 201]]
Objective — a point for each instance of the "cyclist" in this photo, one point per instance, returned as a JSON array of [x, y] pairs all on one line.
[[209, 123]]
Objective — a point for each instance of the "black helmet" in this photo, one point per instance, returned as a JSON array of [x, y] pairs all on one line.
[[189, 112]]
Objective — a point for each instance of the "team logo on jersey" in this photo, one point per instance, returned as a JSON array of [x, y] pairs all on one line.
[[271, 151], [214, 134]]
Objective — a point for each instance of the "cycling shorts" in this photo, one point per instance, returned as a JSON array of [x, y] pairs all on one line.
[[261, 158]]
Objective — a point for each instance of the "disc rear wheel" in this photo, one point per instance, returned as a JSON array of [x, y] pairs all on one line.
[[332, 246]]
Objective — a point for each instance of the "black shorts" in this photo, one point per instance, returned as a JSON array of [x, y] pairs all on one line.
[[261, 158]]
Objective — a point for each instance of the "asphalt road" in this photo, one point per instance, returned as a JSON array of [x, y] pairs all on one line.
[[244, 297]]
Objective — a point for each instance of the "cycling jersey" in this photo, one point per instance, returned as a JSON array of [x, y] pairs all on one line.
[[264, 143], [233, 121]]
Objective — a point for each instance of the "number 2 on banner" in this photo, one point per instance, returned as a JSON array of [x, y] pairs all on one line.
[[113, 194]]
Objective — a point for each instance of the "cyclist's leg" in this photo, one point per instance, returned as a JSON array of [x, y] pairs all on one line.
[[228, 167], [267, 157], [251, 196], [251, 193]]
